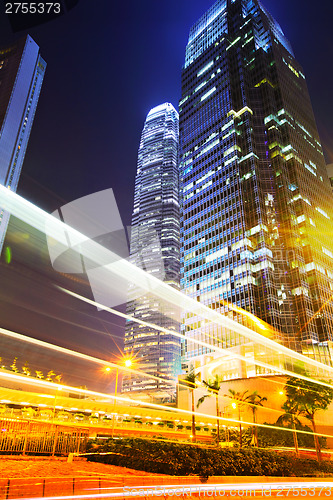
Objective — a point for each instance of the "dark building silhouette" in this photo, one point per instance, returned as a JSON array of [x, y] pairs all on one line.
[[21, 76]]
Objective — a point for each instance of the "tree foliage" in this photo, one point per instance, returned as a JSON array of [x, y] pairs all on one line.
[[190, 382], [240, 400], [213, 388], [255, 401], [290, 419], [307, 398]]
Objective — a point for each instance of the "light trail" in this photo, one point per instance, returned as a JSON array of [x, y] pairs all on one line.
[[77, 390], [315, 314], [216, 490], [85, 357], [54, 228], [75, 354], [69, 352], [202, 343]]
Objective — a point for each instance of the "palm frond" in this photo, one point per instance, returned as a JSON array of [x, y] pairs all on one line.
[[202, 399]]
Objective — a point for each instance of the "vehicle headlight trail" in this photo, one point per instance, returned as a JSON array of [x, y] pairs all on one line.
[[199, 342], [59, 231], [75, 354], [121, 399]]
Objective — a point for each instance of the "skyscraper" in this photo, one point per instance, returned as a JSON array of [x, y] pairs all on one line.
[[256, 216], [329, 169], [155, 241], [21, 75]]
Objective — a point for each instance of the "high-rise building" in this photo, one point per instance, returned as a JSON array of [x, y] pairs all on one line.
[[21, 75], [256, 217], [155, 242], [329, 169]]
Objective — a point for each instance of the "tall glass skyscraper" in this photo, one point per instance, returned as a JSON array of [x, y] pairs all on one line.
[[21, 76], [329, 169], [256, 216], [155, 243]]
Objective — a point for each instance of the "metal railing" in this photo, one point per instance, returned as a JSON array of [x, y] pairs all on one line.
[[30, 436], [120, 422]]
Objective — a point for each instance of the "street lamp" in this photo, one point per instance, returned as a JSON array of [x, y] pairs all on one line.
[[128, 364], [226, 414], [239, 408], [59, 388]]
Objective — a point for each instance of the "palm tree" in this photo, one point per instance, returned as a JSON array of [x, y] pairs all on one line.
[[308, 398], [290, 418], [213, 390], [14, 366], [26, 370], [190, 382], [49, 376], [255, 400], [241, 398]]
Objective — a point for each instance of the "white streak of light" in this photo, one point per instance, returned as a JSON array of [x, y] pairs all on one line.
[[70, 352], [188, 489], [46, 223], [52, 385], [199, 342]]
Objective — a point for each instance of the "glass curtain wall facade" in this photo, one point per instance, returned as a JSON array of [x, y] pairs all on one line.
[[329, 169], [21, 76], [256, 212], [155, 243]]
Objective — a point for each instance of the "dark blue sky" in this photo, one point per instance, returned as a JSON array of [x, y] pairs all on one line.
[[108, 63]]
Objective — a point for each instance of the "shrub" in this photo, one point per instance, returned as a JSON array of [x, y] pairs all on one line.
[[182, 459], [274, 437]]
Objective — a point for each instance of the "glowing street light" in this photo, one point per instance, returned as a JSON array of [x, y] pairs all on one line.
[[128, 363], [59, 388]]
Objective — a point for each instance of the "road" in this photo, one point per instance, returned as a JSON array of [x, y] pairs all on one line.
[[171, 488]]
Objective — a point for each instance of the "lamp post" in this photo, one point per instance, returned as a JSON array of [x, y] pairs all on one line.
[[226, 414], [55, 401], [128, 364], [238, 407]]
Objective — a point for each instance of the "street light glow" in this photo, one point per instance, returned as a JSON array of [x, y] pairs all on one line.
[[54, 228]]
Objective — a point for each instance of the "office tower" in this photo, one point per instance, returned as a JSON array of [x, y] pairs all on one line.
[[155, 242], [256, 217], [21, 75], [329, 169]]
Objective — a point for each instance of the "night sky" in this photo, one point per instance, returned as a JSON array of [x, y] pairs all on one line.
[[108, 64]]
